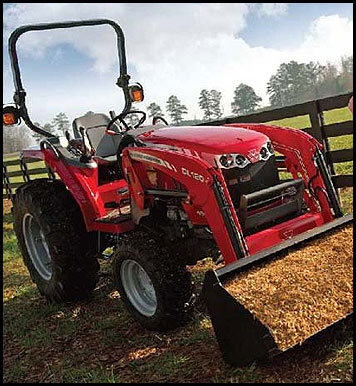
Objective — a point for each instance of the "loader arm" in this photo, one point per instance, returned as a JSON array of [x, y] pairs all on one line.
[[205, 186], [303, 158]]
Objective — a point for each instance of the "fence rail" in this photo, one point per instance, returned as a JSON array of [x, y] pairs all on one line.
[[27, 174], [318, 129]]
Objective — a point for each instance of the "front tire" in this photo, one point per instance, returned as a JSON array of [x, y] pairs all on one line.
[[156, 290], [56, 248]]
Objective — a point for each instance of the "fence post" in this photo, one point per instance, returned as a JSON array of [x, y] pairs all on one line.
[[23, 166], [326, 142], [317, 131], [7, 183], [315, 122], [325, 139]]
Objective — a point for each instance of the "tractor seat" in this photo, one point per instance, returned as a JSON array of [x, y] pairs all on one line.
[[104, 145]]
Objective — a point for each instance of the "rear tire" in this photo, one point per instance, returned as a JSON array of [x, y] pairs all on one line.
[[156, 290], [56, 248]]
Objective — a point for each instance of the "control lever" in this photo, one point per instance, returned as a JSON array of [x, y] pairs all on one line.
[[73, 144], [85, 157], [67, 135]]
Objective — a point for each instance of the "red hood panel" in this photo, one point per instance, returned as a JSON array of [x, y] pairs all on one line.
[[207, 139]]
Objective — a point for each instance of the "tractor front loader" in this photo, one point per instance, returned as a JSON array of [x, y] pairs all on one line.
[[250, 226], [164, 197]]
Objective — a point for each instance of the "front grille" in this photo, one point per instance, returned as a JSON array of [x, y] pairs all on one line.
[[253, 177]]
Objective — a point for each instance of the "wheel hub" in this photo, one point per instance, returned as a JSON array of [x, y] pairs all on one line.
[[37, 246], [138, 287]]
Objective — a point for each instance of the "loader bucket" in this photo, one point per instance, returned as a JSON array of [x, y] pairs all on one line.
[[245, 335]]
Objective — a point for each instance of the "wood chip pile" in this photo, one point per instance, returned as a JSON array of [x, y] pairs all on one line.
[[303, 291]]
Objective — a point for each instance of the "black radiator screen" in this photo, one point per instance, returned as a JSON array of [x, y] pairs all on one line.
[[252, 178]]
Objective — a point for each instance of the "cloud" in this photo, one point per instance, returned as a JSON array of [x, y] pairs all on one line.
[[329, 38], [58, 54], [153, 28], [86, 40], [173, 48], [272, 9]]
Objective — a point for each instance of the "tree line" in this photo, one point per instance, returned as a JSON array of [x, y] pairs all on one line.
[[18, 138], [297, 82], [292, 83]]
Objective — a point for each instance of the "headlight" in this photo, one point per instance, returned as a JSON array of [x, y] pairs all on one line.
[[226, 160], [241, 161], [270, 147], [266, 151]]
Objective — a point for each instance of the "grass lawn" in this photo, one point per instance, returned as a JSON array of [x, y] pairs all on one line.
[[336, 143]]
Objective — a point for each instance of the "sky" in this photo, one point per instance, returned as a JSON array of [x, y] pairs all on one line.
[[171, 48]]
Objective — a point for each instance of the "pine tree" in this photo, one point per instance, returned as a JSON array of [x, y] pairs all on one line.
[[47, 127], [245, 100], [209, 102], [61, 123], [175, 109], [205, 104], [215, 97], [154, 110]]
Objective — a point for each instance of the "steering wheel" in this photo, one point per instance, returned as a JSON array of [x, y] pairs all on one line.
[[158, 118], [121, 118], [127, 139]]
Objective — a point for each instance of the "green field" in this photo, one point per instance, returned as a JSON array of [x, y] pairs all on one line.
[[95, 341], [13, 168], [336, 143]]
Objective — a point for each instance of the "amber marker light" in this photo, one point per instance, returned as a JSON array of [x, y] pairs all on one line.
[[9, 119], [137, 96], [136, 92], [10, 116]]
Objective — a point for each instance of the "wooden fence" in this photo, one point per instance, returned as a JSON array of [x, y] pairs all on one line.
[[27, 174], [317, 129]]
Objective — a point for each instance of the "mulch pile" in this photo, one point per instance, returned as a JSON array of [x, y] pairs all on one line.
[[303, 291]]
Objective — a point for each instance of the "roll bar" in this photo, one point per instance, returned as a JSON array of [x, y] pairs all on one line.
[[20, 93]]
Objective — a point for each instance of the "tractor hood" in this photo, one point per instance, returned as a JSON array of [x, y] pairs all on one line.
[[206, 139]]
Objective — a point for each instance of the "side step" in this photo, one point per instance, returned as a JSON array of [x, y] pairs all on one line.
[[241, 336]]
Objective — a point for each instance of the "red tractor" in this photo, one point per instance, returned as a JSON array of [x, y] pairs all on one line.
[[163, 198]]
